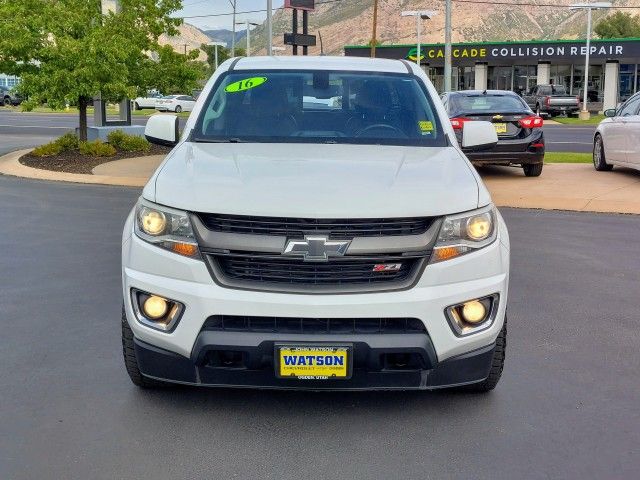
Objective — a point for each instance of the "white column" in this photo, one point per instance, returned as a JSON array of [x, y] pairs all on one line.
[[544, 73], [611, 85], [481, 76]]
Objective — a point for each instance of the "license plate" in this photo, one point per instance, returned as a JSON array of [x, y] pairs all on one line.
[[313, 362], [500, 127]]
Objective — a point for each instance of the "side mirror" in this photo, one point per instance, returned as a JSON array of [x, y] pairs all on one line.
[[610, 112], [162, 130], [478, 136]]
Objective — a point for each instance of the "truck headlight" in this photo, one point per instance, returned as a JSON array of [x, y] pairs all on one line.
[[464, 233], [166, 228]]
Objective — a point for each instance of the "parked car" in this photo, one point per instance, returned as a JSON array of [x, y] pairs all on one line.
[[552, 100], [616, 139], [9, 96], [149, 101], [520, 135], [342, 246], [175, 103]]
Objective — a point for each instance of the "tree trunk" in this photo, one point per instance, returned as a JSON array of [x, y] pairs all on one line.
[[83, 102]]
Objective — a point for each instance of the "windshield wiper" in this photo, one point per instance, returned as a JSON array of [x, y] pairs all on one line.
[[218, 140]]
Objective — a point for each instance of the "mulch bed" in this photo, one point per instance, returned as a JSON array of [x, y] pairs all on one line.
[[74, 162]]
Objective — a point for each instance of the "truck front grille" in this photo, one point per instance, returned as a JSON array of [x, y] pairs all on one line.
[[264, 268], [298, 227], [312, 326]]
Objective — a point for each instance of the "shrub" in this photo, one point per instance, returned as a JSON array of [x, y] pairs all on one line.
[[47, 150], [97, 148], [68, 141], [128, 143]]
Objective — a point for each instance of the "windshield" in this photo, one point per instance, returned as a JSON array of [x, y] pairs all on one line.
[[486, 104], [319, 107]]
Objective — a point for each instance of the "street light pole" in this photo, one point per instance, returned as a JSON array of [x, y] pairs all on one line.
[[215, 45], [248, 24], [447, 46], [589, 7], [269, 28], [233, 38], [420, 15]]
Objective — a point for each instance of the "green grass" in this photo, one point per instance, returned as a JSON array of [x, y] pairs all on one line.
[[567, 157], [594, 120]]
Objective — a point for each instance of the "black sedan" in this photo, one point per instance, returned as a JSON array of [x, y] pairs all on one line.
[[520, 136]]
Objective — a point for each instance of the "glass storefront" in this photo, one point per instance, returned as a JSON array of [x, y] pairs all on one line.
[[525, 77], [561, 75], [627, 81], [500, 78], [595, 88]]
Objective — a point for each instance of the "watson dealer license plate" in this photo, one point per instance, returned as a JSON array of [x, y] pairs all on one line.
[[313, 362], [500, 127]]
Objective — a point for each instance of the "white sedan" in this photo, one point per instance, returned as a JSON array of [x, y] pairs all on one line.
[[175, 103], [146, 102], [616, 139]]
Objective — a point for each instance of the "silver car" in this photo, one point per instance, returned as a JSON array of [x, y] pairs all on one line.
[[617, 138]]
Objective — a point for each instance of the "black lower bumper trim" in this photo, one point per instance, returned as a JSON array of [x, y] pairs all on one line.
[[369, 372]]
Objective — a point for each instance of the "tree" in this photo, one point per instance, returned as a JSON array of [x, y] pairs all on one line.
[[619, 25], [67, 51]]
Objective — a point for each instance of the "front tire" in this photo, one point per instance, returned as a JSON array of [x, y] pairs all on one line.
[[7, 101], [533, 169], [497, 365], [130, 360], [178, 109], [599, 160], [136, 106]]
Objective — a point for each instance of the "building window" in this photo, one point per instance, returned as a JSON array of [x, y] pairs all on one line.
[[525, 77], [627, 81]]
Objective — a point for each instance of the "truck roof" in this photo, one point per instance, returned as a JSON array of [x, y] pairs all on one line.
[[321, 63]]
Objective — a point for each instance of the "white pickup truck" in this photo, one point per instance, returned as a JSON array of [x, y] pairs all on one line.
[[292, 242]]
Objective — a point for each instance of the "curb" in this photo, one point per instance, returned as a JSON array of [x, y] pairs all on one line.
[[10, 165]]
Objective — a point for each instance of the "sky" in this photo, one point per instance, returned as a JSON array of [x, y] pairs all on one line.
[[216, 7]]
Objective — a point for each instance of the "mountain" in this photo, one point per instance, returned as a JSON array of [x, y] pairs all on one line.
[[348, 22], [188, 38], [225, 36]]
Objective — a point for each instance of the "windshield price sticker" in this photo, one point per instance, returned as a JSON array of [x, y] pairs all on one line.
[[426, 127], [246, 84]]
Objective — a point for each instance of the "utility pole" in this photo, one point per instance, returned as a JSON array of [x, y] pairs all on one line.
[[447, 46], [420, 15], [269, 28], [233, 39], [375, 29]]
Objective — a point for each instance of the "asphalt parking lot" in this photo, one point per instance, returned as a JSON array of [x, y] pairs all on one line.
[[567, 406]]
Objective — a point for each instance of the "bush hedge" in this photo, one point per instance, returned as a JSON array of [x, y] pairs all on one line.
[[97, 148], [128, 143]]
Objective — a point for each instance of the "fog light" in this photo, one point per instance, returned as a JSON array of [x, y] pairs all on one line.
[[473, 315], [474, 312], [155, 307]]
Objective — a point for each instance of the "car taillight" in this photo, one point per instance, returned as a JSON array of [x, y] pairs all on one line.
[[531, 122], [458, 123], [547, 101]]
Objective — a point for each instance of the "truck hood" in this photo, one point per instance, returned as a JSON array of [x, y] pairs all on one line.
[[321, 181]]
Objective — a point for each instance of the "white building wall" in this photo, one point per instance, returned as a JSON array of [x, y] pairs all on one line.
[[611, 85], [481, 76]]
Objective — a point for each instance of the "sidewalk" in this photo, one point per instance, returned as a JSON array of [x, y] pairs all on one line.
[[561, 186]]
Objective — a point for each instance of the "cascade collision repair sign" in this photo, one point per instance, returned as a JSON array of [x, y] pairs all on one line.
[[502, 51]]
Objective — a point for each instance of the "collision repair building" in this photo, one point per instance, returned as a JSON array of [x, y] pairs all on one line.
[[518, 66]]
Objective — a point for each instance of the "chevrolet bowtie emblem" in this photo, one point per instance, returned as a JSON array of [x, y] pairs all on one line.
[[316, 248], [498, 117]]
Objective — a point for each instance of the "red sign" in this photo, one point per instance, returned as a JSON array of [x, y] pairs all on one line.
[[300, 4]]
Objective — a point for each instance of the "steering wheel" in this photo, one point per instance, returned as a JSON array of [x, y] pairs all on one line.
[[383, 126]]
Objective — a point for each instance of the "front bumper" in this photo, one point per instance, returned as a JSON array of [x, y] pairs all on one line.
[[369, 372], [181, 356]]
